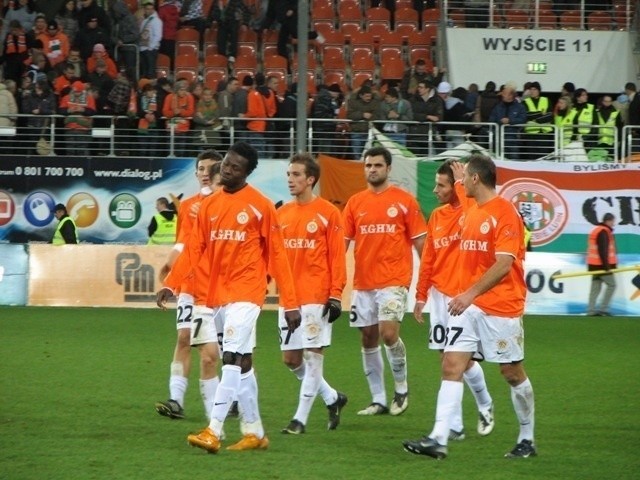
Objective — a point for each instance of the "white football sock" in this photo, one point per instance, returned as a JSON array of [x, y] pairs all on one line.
[[225, 394], [177, 386], [374, 371], [397, 356], [208, 389], [474, 378], [248, 404], [449, 398], [310, 385], [523, 404], [299, 371]]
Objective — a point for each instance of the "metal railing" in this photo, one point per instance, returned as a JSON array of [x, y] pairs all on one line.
[[119, 136]]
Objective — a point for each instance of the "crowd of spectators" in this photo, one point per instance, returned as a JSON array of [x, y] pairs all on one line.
[[81, 63]]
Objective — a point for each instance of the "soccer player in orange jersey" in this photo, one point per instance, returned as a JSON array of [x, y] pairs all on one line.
[[238, 235], [486, 310], [314, 241], [181, 363], [384, 222], [437, 271]]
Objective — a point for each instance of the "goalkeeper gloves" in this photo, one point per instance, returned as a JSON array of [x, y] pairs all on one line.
[[333, 308]]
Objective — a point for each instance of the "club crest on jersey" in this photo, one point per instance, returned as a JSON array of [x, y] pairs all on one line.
[[484, 228], [392, 212], [242, 218], [312, 227]]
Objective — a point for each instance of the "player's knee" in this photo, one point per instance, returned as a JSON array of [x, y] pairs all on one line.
[[184, 338], [513, 373]]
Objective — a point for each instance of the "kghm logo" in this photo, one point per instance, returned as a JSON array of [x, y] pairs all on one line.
[[136, 278]]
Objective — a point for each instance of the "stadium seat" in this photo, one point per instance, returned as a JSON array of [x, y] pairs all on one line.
[[516, 19], [391, 68], [377, 15], [378, 29], [349, 13], [186, 73], [206, 7], [431, 15], [457, 17], [187, 40], [421, 38], [212, 77], [404, 31], [311, 81], [215, 60], [323, 12], [358, 78], [333, 61], [571, 20], [600, 21], [247, 36], [622, 16], [311, 61], [406, 16], [431, 33], [163, 66], [349, 29], [362, 41], [547, 20], [420, 53], [211, 40], [249, 62], [246, 50], [329, 78], [333, 40], [186, 48], [275, 63]]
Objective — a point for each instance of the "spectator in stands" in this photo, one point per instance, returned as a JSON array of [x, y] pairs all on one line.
[[8, 108], [563, 116], [476, 13], [621, 103], [418, 73], [38, 68], [179, 108], [148, 113], [67, 20], [89, 36], [471, 99], [395, 108], [268, 88], [509, 112], [127, 33], [427, 108], [226, 99], [567, 89], [23, 12], [118, 100], [163, 88], [62, 84], [230, 16], [40, 103], [16, 51], [39, 25], [100, 53], [169, 13], [256, 124], [362, 109], [538, 137], [206, 122], [634, 103], [150, 36], [454, 111], [191, 14], [78, 106], [239, 108], [89, 10], [610, 122], [286, 13], [55, 44], [325, 106], [585, 118], [287, 114]]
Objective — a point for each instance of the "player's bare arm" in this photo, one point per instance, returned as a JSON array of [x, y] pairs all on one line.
[[490, 279]]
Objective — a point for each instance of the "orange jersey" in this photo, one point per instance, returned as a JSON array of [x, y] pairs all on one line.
[[440, 255], [383, 226], [489, 230], [314, 242], [441, 247], [181, 278], [238, 236]]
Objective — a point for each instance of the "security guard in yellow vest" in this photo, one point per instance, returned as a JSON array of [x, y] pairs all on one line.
[[66, 231], [585, 118], [610, 120], [563, 119], [163, 225], [538, 134], [602, 255]]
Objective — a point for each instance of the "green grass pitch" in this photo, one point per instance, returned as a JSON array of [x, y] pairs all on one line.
[[78, 388]]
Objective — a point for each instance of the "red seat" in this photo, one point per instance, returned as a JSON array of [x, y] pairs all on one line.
[[349, 13], [571, 20], [516, 19], [392, 68], [420, 53], [431, 15], [457, 17], [311, 82], [334, 61], [212, 77], [547, 20], [360, 77], [329, 78], [600, 21], [215, 60], [377, 15], [163, 66], [431, 33], [186, 73], [406, 16]]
